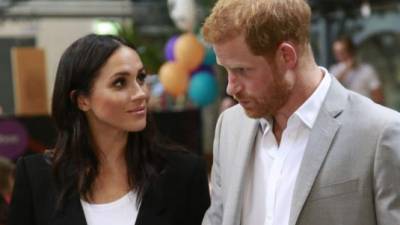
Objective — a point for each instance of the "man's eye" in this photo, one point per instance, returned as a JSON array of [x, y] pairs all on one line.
[[240, 70]]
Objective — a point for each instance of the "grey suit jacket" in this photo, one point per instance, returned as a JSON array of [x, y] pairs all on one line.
[[350, 173]]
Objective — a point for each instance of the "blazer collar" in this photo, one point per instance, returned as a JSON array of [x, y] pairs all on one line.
[[71, 212], [321, 137], [249, 128], [153, 206]]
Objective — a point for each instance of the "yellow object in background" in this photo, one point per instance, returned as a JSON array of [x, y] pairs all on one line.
[[29, 75], [174, 77], [188, 51]]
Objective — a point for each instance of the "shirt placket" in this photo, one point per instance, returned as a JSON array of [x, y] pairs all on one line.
[[278, 155]]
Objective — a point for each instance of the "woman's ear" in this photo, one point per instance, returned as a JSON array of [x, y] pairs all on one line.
[[81, 101]]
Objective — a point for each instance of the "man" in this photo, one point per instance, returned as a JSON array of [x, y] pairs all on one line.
[[356, 76], [298, 148]]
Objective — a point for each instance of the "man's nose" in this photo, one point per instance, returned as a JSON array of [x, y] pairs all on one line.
[[233, 85]]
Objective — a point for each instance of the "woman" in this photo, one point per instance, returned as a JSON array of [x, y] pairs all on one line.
[[107, 166]]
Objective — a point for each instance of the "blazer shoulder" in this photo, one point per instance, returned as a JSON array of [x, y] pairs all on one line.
[[183, 160], [371, 111], [34, 163], [37, 170]]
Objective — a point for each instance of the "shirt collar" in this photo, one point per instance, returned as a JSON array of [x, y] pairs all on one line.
[[309, 110]]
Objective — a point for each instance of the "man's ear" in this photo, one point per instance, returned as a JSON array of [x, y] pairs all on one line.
[[287, 55], [81, 101]]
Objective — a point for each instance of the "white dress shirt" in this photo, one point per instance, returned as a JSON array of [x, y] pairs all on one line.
[[274, 168]]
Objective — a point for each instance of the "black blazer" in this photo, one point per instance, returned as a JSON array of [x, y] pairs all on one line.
[[179, 196]]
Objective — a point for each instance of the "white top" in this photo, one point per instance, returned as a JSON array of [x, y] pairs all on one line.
[[271, 181], [123, 211], [362, 79]]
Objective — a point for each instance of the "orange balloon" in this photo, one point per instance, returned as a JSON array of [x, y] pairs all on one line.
[[174, 77], [189, 51]]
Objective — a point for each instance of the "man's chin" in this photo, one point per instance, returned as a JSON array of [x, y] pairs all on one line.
[[254, 114]]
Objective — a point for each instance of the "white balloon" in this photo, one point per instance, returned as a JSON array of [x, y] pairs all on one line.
[[183, 13]]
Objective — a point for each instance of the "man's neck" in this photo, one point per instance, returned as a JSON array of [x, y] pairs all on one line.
[[306, 83]]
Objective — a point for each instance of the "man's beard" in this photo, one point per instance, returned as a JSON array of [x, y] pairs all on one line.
[[271, 102]]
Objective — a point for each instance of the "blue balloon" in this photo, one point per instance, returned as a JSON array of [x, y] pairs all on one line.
[[209, 58], [202, 68], [203, 88]]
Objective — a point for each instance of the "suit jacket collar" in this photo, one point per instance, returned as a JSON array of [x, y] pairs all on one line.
[[321, 137], [244, 149], [71, 212], [152, 208]]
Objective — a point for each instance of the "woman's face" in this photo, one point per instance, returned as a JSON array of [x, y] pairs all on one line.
[[118, 99]]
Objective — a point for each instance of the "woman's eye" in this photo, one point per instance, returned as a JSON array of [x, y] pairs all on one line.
[[141, 77], [119, 83]]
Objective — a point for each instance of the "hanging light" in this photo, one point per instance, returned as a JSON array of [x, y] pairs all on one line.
[[365, 9], [104, 27]]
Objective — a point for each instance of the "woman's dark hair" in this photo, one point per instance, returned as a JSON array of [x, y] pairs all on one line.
[[74, 161]]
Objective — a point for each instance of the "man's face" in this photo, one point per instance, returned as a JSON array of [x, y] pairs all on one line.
[[340, 51], [255, 82]]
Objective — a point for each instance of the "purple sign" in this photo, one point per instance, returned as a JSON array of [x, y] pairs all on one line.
[[13, 138]]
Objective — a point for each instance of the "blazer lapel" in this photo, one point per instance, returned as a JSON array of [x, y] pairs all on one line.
[[242, 156], [71, 213], [321, 137], [153, 208]]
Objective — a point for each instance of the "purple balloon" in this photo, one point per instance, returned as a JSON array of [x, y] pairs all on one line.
[[169, 48], [13, 138]]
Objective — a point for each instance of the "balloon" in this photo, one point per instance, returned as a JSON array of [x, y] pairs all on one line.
[[201, 68], [174, 77], [189, 51], [169, 48], [183, 13], [203, 88], [210, 58]]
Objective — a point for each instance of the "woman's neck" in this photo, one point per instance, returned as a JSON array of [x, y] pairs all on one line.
[[112, 180]]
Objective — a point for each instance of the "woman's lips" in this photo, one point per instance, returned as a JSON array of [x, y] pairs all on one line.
[[138, 111]]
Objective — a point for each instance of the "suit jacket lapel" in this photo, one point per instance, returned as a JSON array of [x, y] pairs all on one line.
[[153, 208], [71, 213], [318, 146], [242, 156]]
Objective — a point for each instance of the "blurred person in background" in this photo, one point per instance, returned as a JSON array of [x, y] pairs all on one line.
[[108, 166], [299, 148], [356, 76], [6, 186]]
